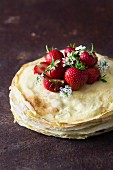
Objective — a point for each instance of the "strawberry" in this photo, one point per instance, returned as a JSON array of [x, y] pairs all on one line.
[[87, 59], [75, 78], [38, 69], [55, 70], [54, 54], [93, 75], [53, 85], [68, 50]]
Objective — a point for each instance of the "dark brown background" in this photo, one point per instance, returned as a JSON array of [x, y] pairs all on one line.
[[26, 26]]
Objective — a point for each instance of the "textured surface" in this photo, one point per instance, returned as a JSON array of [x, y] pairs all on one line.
[[25, 27]]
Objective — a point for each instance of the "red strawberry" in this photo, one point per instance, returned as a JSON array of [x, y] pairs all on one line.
[[68, 50], [53, 84], [75, 78], [87, 59], [56, 72], [54, 54], [93, 75], [38, 69]]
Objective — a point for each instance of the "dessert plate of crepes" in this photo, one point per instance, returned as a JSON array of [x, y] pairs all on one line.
[[67, 93]]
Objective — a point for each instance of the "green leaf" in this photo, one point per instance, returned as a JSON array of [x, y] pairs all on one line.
[[103, 75], [51, 80], [103, 80], [79, 65], [56, 62], [52, 65]]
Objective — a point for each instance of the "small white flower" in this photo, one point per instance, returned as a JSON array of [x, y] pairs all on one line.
[[39, 77], [69, 60], [103, 65], [66, 91], [80, 47]]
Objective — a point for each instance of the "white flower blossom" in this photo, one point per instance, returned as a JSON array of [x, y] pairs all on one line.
[[69, 60], [80, 47], [39, 77], [66, 91], [103, 65]]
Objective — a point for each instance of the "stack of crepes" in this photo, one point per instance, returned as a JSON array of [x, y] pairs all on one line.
[[85, 113]]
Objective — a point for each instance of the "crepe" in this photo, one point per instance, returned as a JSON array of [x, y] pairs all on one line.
[[85, 113]]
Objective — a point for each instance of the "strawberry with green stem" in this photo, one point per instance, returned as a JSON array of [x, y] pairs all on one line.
[[76, 78], [55, 70], [53, 54], [89, 59], [69, 49]]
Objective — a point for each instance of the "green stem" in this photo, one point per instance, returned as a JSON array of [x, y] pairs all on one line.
[[92, 47], [47, 49]]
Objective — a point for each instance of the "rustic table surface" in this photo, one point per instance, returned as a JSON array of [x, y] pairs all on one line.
[[26, 26]]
